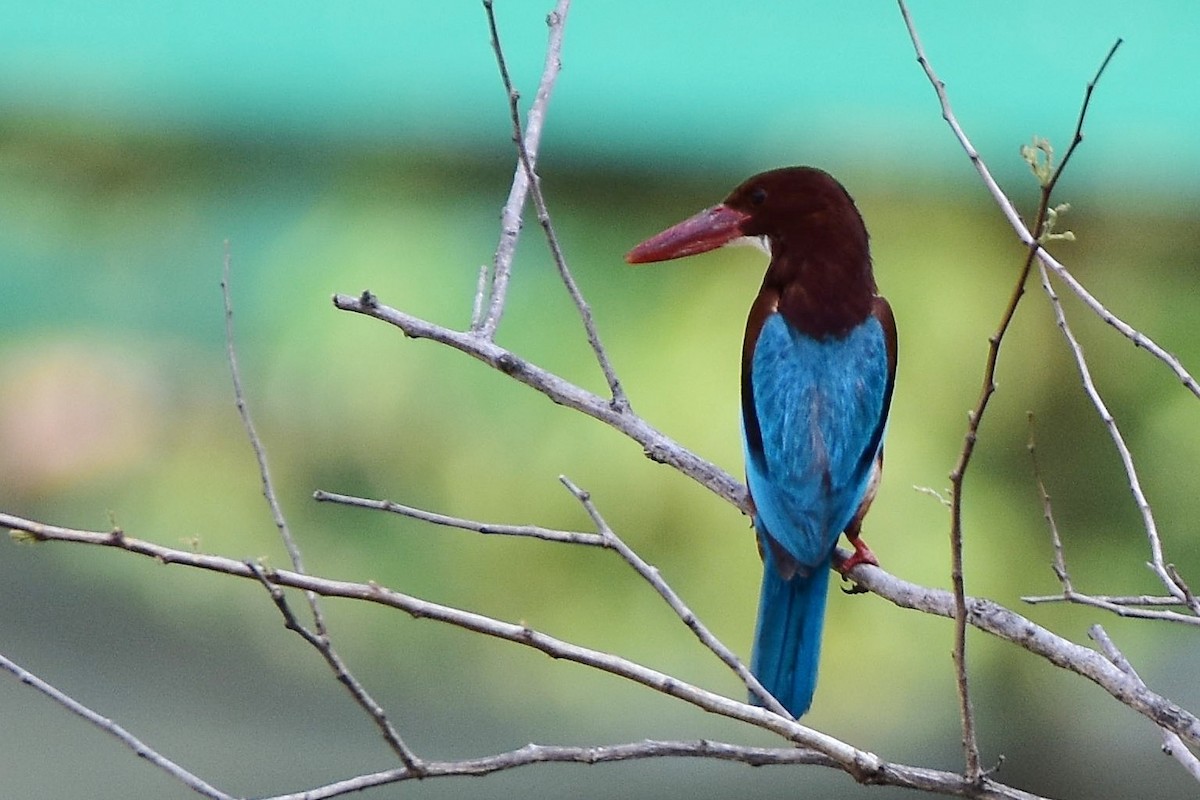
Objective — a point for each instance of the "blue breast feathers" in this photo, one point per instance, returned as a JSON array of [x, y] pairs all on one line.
[[819, 405]]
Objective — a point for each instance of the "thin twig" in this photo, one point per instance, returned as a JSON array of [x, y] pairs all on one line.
[[108, 726], [651, 575], [620, 401], [1157, 564], [510, 217], [481, 288], [1077, 139], [986, 615], [1188, 597], [958, 474], [1172, 745], [533, 531], [1157, 561], [857, 762], [863, 766], [557, 18], [260, 452], [1060, 561], [1121, 609], [1120, 600], [320, 640]]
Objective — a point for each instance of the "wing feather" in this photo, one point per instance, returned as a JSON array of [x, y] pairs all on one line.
[[813, 424]]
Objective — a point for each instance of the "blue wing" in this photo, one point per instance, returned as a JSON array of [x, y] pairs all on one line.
[[812, 426], [819, 408]]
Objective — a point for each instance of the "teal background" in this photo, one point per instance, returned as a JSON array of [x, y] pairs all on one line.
[[349, 146]]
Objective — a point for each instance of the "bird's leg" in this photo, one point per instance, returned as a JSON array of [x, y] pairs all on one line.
[[861, 555]]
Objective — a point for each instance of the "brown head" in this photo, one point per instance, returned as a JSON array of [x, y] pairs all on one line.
[[820, 273]]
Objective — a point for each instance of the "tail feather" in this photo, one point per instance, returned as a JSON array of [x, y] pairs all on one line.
[[787, 639]]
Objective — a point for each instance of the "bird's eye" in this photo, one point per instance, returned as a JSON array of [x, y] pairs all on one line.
[[758, 196]]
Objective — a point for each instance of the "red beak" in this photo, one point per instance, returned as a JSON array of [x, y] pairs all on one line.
[[708, 230]]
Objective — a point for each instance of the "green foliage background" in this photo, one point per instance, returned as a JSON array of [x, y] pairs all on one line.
[[115, 405]]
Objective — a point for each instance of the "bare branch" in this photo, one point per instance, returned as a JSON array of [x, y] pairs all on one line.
[[986, 615], [657, 446], [619, 400], [510, 218], [533, 531], [1083, 110], [895, 775], [1120, 600], [974, 418], [1172, 744], [605, 538], [993, 618], [857, 762], [481, 288], [1177, 579], [1121, 606], [108, 726], [863, 766]]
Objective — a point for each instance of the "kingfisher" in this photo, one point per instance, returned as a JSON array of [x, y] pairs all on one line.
[[818, 368]]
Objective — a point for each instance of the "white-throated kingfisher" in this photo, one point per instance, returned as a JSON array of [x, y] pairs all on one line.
[[818, 366]]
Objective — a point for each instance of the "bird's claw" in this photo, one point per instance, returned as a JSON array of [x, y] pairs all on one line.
[[861, 555]]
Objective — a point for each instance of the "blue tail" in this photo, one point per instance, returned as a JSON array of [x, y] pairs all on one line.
[[787, 639]]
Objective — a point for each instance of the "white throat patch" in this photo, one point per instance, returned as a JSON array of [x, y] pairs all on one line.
[[763, 243]]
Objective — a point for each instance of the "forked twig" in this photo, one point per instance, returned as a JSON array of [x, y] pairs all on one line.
[[898, 775], [1136, 607], [532, 531], [320, 640], [556, 20], [322, 644], [510, 217]]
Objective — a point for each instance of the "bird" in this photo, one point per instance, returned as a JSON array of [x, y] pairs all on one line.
[[818, 368]]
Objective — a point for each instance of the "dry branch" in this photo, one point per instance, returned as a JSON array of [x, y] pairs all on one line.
[[985, 615]]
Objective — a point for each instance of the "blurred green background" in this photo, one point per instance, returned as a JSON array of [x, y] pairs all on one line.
[[349, 146]]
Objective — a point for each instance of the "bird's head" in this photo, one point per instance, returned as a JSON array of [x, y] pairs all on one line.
[[792, 207], [820, 275]]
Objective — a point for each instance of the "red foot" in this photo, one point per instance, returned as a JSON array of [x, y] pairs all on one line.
[[861, 555]]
